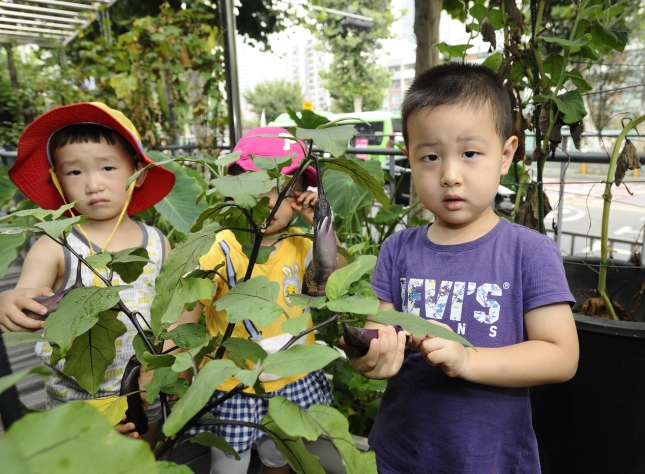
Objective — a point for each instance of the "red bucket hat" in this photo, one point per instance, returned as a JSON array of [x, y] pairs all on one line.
[[272, 147], [30, 173]]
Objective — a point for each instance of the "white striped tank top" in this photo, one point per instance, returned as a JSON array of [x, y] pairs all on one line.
[[61, 388]]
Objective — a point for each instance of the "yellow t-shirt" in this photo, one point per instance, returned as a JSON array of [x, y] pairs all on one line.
[[286, 266]]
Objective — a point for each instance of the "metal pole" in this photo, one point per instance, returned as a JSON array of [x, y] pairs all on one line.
[[563, 170], [227, 23], [392, 165]]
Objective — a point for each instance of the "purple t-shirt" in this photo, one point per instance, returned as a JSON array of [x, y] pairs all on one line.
[[427, 421]]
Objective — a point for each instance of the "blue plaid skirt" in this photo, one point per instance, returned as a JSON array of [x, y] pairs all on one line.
[[312, 389]]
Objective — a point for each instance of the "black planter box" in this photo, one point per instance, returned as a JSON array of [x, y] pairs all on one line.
[[595, 423]]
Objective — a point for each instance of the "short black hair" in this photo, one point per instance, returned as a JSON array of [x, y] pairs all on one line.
[[236, 170], [90, 133], [467, 84]]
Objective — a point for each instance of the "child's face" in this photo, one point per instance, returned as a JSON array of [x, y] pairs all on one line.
[[96, 175], [457, 158]]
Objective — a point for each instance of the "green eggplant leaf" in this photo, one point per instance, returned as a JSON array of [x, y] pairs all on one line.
[[207, 380], [209, 439], [55, 228], [333, 140], [11, 380], [336, 428], [163, 376], [168, 286], [583, 40], [253, 299], [92, 351], [76, 439], [293, 449], [417, 325], [293, 420], [78, 312], [179, 206], [339, 281], [244, 188], [188, 335], [245, 349], [295, 326], [129, 263], [362, 177], [306, 301], [299, 360], [358, 304], [12, 339]]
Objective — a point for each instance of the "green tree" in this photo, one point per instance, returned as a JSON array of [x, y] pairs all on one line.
[[274, 97], [355, 80]]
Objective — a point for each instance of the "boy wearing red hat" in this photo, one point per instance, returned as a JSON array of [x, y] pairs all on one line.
[[286, 265], [86, 152]]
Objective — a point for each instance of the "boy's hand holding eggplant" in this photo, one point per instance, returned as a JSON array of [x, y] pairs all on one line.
[[20, 311], [385, 353]]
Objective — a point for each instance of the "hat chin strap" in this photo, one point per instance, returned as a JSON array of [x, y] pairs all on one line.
[[97, 280]]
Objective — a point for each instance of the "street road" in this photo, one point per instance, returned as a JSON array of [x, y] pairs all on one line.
[[582, 212]]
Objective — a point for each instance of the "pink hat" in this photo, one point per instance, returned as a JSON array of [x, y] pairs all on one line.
[[270, 147]]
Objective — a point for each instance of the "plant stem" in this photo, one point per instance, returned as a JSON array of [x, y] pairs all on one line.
[[604, 235], [293, 340]]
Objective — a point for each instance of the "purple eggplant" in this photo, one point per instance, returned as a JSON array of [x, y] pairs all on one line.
[[325, 253], [359, 339], [51, 302], [130, 385]]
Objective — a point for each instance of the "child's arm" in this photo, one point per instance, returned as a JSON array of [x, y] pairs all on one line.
[[42, 270], [385, 355], [549, 356], [303, 203]]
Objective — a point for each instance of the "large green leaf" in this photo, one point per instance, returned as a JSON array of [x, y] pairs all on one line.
[[362, 176], [209, 439], [417, 325], [572, 106], [579, 81], [299, 360], [333, 140], [179, 205], [39, 213], [244, 188], [293, 420], [7, 189], [337, 429], [359, 304], [307, 118], [245, 349], [306, 301], [76, 439], [129, 263], [208, 379], [295, 325], [188, 335], [11, 380], [167, 467], [339, 281], [253, 299], [584, 39], [454, 51], [182, 260], [92, 351], [12, 339], [606, 38], [293, 449], [494, 61], [57, 227], [78, 311], [344, 196], [162, 376], [189, 291]]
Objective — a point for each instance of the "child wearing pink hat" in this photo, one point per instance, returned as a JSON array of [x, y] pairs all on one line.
[[286, 265]]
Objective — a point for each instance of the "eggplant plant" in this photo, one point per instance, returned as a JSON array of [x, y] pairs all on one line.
[[343, 293]]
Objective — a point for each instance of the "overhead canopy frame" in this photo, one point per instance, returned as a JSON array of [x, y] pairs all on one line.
[[48, 23]]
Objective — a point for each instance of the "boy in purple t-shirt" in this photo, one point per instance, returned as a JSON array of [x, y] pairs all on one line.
[[447, 408]]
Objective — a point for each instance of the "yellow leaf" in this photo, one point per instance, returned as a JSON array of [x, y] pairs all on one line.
[[112, 408]]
